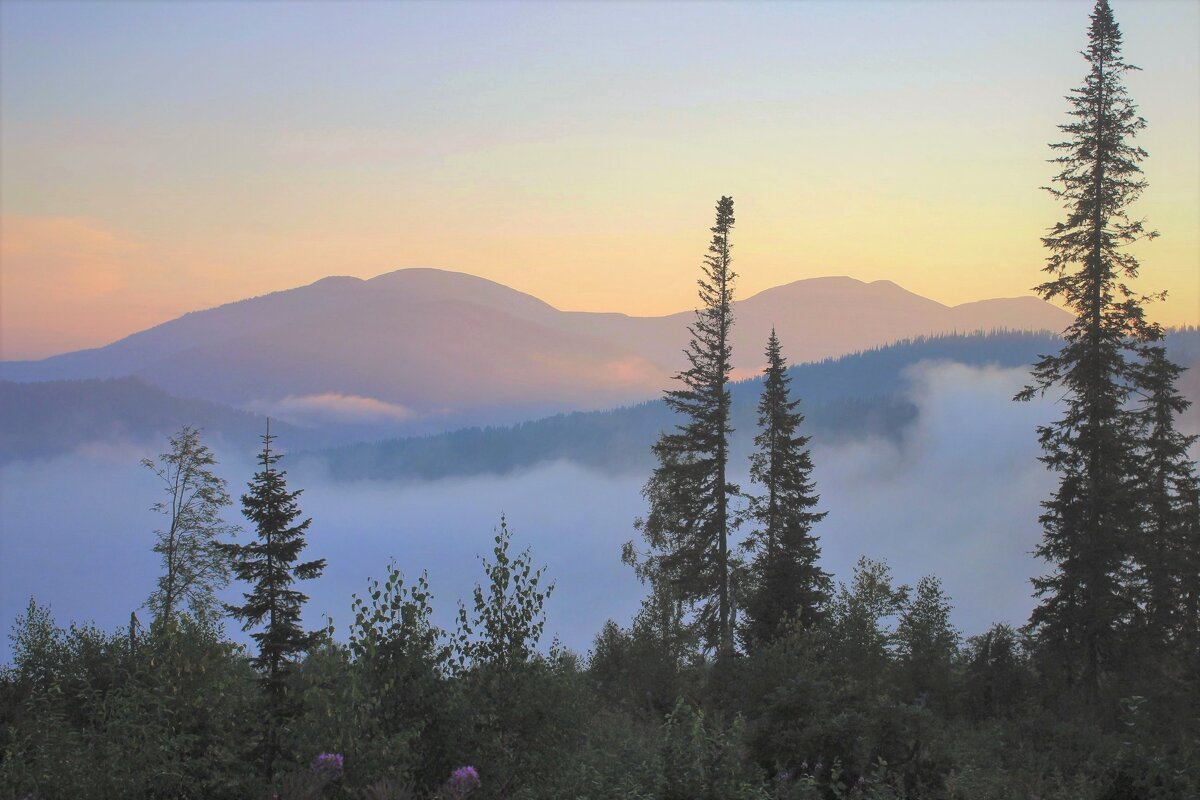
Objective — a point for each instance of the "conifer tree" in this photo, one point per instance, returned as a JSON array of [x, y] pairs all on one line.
[[785, 582], [688, 524], [194, 567], [1090, 521], [1167, 559], [269, 565], [927, 642]]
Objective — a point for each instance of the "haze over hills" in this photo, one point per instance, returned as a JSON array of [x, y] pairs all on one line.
[[855, 397], [424, 350], [50, 418]]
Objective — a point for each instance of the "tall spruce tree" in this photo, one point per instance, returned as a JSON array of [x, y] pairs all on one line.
[[1167, 558], [785, 582], [688, 524], [270, 566], [1090, 522]]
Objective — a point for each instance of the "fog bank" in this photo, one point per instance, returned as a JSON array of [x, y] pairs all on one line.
[[957, 497]]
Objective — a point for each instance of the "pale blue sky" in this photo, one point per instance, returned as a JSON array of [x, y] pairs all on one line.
[[194, 153]]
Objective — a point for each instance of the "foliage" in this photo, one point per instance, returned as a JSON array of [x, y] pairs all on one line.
[[784, 580], [522, 708], [270, 566], [996, 674], [927, 643], [1166, 577], [400, 723], [77, 702], [509, 616], [641, 670], [194, 566], [703, 759], [1090, 522], [688, 525]]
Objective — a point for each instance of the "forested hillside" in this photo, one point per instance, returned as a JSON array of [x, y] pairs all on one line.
[[41, 420], [851, 397]]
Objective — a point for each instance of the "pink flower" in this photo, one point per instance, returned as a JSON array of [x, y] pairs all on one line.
[[328, 765], [462, 781]]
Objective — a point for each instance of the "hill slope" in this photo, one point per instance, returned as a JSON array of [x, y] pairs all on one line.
[[42, 420], [852, 397], [428, 350]]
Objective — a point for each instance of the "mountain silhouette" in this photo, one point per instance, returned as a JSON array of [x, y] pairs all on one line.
[[427, 349]]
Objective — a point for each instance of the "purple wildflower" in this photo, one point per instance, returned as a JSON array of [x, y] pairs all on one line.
[[328, 765], [462, 781]]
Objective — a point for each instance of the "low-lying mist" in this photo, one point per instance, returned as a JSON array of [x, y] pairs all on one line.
[[957, 496]]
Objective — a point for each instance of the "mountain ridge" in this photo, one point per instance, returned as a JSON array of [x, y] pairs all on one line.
[[843, 398], [449, 348]]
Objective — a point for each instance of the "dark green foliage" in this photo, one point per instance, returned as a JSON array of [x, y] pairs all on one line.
[[862, 615], [1167, 576], [704, 759], [1165, 632], [927, 643], [270, 566], [783, 580], [641, 670], [508, 618], [399, 723], [523, 724], [836, 694], [86, 715], [1092, 519], [194, 565], [996, 673], [620, 757], [688, 525], [821, 712], [522, 709]]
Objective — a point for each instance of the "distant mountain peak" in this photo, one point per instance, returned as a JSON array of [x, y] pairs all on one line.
[[450, 345], [331, 280]]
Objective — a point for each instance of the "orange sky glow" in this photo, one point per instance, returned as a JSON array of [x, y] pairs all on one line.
[[152, 162]]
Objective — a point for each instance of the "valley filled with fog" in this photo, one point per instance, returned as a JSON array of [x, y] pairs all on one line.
[[956, 495]]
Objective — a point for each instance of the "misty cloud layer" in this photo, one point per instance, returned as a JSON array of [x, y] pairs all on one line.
[[956, 497], [331, 407]]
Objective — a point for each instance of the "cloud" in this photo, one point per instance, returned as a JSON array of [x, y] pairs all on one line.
[[332, 407], [67, 554], [957, 496], [633, 371]]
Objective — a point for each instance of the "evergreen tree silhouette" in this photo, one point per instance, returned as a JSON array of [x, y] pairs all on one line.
[[1167, 559], [688, 524], [1091, 520], [270, 566], [784, 581]]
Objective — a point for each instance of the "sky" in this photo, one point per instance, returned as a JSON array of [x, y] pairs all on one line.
[[157, 157]]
